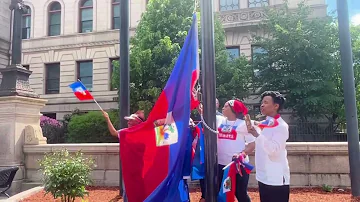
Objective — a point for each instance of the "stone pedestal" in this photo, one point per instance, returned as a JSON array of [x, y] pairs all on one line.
[[19, 124]]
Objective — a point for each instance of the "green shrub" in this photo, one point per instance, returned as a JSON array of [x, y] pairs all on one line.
[[91, 128], [327, 188], [66, 175]]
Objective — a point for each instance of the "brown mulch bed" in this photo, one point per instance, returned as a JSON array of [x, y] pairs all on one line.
[[111, 194]]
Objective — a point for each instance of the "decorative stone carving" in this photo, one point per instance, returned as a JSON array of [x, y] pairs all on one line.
[[34, 135], [243, 16]]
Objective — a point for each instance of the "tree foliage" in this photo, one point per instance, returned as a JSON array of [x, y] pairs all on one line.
[[301, 59], [156, 46]]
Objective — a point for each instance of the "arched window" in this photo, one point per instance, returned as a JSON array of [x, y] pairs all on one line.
[[54, 19], [116, 14], [26, 23], [86, 16], [258, 3]]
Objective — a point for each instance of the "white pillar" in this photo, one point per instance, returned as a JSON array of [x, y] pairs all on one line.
[[19, 125]]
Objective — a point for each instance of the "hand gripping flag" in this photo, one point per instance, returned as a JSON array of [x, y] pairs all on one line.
[[153, 157], [228, 185], [241, 163]]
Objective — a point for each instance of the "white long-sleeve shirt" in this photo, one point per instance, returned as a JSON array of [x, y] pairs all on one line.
[[272, 167]]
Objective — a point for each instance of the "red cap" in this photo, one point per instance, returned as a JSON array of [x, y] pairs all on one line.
[[238, 106]]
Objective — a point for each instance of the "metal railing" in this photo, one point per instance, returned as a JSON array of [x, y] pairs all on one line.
[[317, 132]]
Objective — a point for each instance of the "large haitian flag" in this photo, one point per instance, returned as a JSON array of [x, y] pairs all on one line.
[[153, 157]]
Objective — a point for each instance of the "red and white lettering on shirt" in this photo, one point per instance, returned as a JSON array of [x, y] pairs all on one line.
[[232, 137]]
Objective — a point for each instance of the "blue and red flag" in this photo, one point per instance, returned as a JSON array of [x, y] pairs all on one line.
[[194, 78], [198, 163], [270, 122], [240, 162], [80, 91], [228, 185], [153, 157]]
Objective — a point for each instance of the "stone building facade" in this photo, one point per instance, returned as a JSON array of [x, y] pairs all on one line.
[[64, 40], [5, 16]]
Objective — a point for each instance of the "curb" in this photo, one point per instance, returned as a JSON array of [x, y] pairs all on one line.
[[23, 195]]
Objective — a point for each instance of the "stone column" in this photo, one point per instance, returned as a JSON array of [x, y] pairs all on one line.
[[19, 125], [19, 107]]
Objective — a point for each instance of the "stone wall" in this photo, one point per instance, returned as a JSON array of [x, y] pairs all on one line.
[[311, 164]]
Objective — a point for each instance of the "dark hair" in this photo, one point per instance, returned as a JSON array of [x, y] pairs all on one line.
[[277, 97]]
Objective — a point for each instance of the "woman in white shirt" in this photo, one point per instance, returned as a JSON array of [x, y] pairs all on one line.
[[234, 140], [272, 167]]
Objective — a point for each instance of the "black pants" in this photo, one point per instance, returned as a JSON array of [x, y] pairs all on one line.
[[202, 188], [274, 193], [241, 185]]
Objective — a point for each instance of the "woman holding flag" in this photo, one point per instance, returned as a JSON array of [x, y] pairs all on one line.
[[234, 141]]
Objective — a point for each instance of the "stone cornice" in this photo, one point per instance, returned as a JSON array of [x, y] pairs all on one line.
[[20, 99], [71, 46], [249, 16], [70, 41]]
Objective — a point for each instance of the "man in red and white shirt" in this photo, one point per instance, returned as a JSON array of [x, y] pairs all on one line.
[[272, 167]]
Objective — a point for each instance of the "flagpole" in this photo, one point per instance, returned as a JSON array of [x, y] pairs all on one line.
[[347, 71], [124, 87], [209, 84], [98, 105]]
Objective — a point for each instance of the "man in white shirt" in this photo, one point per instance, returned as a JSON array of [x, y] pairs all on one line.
[[272, 167]]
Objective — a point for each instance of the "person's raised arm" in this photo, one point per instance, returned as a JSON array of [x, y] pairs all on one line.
[[111, 128]]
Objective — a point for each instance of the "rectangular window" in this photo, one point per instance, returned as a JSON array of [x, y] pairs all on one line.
[[234, 52], [227, 5], [85, 74], [26, 26], [112, 87], [116, 15], [86, 20], [256, 50], [55, 24], [52, 83]]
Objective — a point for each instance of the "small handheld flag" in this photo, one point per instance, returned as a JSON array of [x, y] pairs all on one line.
[[82, 93], [240, 162], [228, 185]]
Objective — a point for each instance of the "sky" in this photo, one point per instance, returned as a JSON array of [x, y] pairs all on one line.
[[354, 10]]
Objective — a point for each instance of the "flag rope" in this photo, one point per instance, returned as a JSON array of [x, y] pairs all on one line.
[[207, 126], [198, 89]]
